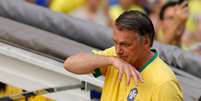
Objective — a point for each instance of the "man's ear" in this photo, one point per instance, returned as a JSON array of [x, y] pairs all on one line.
[[147, 41]]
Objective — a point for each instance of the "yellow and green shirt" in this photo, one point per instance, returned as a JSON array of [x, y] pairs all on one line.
[[160, 83]]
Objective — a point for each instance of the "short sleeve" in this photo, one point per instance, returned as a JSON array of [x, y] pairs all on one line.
[[102, 70]]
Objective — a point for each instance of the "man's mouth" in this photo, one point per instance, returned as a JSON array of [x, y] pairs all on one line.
[[123, 57]]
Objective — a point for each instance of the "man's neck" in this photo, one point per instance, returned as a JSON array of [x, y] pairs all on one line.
[[144, 59]]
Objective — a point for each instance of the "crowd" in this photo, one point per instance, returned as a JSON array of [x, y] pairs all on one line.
[[176, 22]]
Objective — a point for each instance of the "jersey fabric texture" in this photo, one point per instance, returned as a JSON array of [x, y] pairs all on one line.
[[160, 83]]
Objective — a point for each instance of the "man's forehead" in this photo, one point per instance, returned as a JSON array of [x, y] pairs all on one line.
[[124, 35]]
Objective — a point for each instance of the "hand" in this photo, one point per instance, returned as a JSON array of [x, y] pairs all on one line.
[[128, 69], [182, 12], [180, 19]]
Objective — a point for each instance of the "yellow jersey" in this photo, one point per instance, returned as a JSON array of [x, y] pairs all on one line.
[[160, 83]]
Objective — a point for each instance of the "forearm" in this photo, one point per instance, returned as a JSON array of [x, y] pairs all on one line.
[[83, 63]]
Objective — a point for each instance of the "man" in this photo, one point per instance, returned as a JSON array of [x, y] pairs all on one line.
[[124, 64], [173, 17]]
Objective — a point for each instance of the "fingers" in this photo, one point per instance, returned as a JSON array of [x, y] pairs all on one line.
[[135, 78], [133, 73], [129, 70], [184, 4], [181, 12], [186, 11], [120, 75], [128, 77], [139, 76], [129, 74]]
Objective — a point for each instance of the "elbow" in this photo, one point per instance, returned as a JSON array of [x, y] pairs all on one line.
[[68, 65], [77, 64]]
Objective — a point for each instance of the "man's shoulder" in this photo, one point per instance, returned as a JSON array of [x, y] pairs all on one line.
[[162, 72]]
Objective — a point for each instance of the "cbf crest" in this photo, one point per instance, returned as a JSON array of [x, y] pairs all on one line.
[[133, 93]]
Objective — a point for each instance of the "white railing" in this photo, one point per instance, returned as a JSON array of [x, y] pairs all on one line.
[[32, 71]]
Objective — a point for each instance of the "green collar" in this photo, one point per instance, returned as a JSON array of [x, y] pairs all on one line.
[[150, 61]]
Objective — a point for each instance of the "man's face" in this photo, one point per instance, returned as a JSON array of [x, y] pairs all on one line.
[[129, 46], [168, 19]]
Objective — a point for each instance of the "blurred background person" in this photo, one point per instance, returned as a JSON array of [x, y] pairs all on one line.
[[92, 10], [65, 6], [192, 37], [192, 33], [43, 3], [124, 5], [112, 2], [196, 48], [173, 17], [194, 9], [153, 8]]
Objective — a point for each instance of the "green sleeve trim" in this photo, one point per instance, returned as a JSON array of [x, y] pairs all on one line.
[[97, 73], [156, 54]]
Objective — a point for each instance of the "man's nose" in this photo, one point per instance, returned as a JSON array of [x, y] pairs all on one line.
[[119, 50]]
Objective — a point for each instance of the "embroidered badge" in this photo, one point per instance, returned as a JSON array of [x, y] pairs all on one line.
[[133, 93]]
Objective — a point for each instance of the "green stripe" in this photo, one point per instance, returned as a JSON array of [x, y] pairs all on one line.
[[150, 61], [97, 73]]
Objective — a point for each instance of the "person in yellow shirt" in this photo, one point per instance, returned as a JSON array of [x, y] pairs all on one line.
[[191, 35], [122, 6], [8, 90], [173, 17], [194, 9], [65, 6], [130, 60]]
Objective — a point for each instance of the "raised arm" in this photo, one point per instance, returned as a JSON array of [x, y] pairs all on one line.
[[84, 63]]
